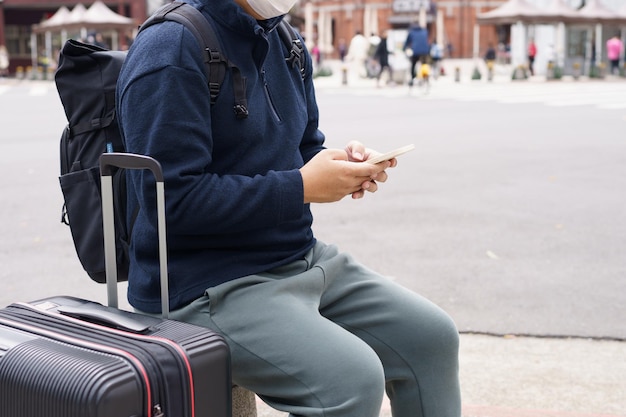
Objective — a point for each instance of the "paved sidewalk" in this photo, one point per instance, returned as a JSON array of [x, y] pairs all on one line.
[[535, 377], [466, 67]]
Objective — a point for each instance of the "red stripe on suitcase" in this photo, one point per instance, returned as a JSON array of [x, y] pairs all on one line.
[[185, 359]]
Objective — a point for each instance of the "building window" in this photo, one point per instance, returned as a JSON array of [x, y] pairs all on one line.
[[576, 42], [18, 41]]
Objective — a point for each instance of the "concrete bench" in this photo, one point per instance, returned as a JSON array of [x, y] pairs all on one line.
[[244, 403]]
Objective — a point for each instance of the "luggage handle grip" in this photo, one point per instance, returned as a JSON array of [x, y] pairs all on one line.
[[116, 319], [131, 161]]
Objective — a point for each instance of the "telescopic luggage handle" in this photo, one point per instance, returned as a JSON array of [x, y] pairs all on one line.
[[131, 161]]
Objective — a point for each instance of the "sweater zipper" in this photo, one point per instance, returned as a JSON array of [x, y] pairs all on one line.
[[268, 96]]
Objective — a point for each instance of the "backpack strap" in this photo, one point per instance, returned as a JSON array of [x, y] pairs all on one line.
[[294, 45], [215, 62]]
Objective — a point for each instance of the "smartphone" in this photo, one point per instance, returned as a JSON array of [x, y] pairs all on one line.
[[391, 154]]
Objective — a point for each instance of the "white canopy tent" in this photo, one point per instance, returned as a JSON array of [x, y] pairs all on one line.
[[558, 13], [97, 17], [76, 16], [518, 13], [511, 12], [60, 17]]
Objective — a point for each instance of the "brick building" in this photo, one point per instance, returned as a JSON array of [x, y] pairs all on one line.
[[325, 22], [451, 22], [17, 18]]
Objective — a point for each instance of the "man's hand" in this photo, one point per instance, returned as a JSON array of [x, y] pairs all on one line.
[[332, 174], [359, 153]]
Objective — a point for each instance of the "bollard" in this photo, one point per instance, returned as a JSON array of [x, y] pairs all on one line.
[[344, 75], [602, 70], [489, 70], [457, 74], [19, 73], [519, 73], [576, 70], [550, 71]]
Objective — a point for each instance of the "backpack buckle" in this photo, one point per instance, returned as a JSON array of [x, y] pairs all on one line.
[[241, 111], [214, 90], [214, 56], [295, 56]]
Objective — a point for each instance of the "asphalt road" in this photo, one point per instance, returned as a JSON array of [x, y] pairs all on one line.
[[509, 216]]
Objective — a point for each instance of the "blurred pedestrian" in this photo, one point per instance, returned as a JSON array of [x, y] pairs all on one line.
[[614, 47], [343, 49], [95, 38], [4, 61], [372, 66], [374, 41], [490, 55], [416, 47], [43, 61], [490, 60], [317, 55], [532, 53], [424, 74], [551, 55], [436, 55], [357, 53], [381, 55]]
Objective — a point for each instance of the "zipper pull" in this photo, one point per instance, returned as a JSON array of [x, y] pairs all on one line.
[[157, 411]]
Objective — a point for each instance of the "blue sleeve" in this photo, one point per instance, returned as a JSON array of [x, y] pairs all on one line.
[[313, 140]]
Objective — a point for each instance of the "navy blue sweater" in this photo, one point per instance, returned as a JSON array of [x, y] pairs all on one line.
[[233, 189]]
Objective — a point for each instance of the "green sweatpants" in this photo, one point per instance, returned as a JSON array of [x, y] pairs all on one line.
[[326, 336]]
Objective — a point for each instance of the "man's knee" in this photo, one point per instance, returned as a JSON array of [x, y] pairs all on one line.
[[363, 389], [369, 377], [444, 339], [435, 335], [351, 387]]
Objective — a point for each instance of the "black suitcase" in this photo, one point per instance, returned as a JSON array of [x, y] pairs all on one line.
[[68, 357]]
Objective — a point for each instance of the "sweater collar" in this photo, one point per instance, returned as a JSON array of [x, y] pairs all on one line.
[[270, 24], [229, 14]]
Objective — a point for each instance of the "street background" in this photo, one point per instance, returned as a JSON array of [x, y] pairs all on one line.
[[509, 214]]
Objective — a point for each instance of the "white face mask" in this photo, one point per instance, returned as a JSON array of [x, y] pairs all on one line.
[[268, 9]]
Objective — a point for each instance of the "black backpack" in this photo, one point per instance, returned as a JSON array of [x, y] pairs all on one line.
[[86, 79]]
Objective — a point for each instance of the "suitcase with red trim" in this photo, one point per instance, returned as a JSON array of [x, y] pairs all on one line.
[[68, 357]]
